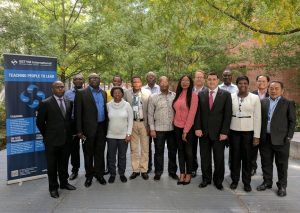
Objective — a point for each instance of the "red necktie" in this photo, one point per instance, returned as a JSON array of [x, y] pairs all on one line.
[[211, 99]]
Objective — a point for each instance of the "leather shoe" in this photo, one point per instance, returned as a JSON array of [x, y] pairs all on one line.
[[219, 186], [194, 174], [263, 187], [204, 184], [54, 193], [281, 192], [123, 178], [247, 188], [233, 185], [88, 182], [73, 176], [145, 176], [101, 180], [134, 175], [156, 177], [68, 187], [173, 176], [111, 179], [253, 172]]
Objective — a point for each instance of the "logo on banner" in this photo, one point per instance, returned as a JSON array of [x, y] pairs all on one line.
[[14, 62], [32, 96]]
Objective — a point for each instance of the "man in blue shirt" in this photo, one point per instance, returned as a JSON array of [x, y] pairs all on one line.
[[91, 125], [277, 130], [78, 82]]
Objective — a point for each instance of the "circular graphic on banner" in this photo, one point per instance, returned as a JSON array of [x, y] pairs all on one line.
[[32, 96]]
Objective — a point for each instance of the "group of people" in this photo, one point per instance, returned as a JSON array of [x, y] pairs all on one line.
[[213, 116]]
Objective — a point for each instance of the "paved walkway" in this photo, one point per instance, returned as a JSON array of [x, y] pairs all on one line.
[[148, 196]]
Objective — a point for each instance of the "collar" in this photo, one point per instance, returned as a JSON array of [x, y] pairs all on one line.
[[96, 90], [215, 90], [58, 98], [155, 85], [169, 92], [224, 85], [276, 99]]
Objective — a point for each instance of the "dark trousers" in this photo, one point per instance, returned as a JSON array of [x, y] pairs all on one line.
[[114, 146], [93, 149], [57, 163], [185, 150], [195, 149], [159, 143], [150, 154], [241, 143], [254, 154], [75, 154], [207, 147], [281, 154]]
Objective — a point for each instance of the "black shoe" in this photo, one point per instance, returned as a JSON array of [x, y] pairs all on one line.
[[194, 174], [156, 177], [123, 179], [149, 170], [180, 182], [145, 176], [173, 176], [219, 186], [253, 172], [54, 193], [68, 187], [111, 179], [233, 185], [204, 184], [88, 182], [281, 192], [73, 176], [101, 180], [247, 188], [134, 175], [263, 187], [106, 172]]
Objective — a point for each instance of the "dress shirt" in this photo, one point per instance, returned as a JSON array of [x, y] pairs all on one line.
[[262, 95], [232, 88], [153, 90], [70, 96], [214, 94], [273, 104], [58, 101], [160, 111], [184, 116], [99, 99], [246, 114], [198, 90]]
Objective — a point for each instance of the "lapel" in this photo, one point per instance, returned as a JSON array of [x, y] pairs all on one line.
[[55, 104], [266, 108], [217, 99], [278, 106], [90, 95], [206, 99]]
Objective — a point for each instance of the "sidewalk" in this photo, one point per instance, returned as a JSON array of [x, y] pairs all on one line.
[[148, 196]]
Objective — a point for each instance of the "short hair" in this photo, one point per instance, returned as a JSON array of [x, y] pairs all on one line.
[[150, 73], [279, 82], [117, 76], [135, 76], [79, 74], [213, 73], [200, 71], [242, 77], [116, 88], [267, 77], [94, 74]]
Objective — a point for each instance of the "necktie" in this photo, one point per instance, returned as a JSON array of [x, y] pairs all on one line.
[[211, 99], [62, 108]]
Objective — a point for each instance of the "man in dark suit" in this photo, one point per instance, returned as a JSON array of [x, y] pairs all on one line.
[[278, 126], [54, 122], [212, 124], [262, 83], [91, 122]]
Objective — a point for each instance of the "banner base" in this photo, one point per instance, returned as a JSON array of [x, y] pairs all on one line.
[[25, 179]]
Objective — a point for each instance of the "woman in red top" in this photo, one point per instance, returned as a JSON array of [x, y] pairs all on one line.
[[185, 105]]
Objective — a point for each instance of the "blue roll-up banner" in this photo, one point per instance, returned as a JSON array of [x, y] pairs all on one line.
[[28, 80]]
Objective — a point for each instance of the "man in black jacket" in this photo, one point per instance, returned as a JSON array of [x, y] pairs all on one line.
[[54, 122], [278, 126], [91, 124], [212, 124]]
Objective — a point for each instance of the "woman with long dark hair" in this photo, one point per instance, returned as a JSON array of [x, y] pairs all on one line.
[[185, 106]]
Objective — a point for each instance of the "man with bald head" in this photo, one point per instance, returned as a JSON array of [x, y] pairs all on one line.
[[160, 118], [91, 124], [54, 122], [78, 82]]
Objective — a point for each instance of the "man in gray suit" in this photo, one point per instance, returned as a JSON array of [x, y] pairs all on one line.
[[278, 125]]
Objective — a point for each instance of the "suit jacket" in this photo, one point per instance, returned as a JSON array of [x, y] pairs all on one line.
[[145, 96], [283, 121], [216, 121], [55, 128], [256, 93], [86, 112]]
